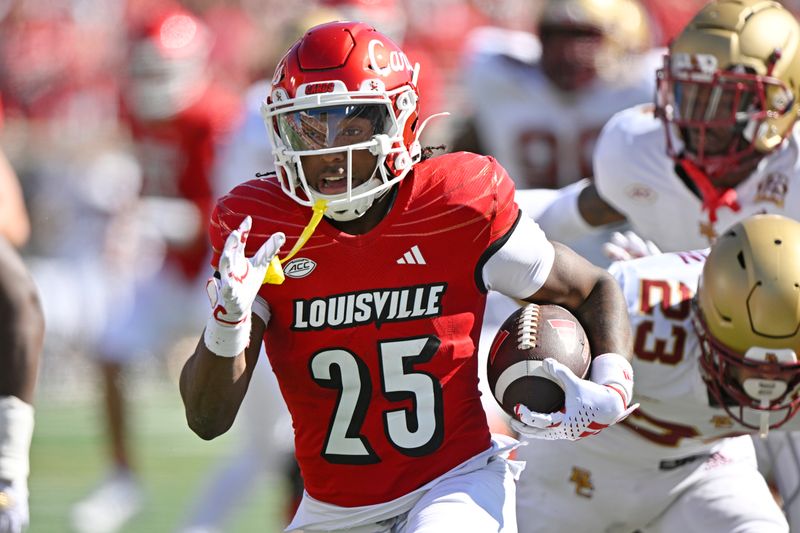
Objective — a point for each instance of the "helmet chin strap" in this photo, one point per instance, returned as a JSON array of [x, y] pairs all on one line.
[[274, 274], [765, 390], [354, 208], [764, 421], [713, 197]]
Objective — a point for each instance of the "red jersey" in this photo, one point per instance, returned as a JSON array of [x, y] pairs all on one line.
[[177, 157], [373, 338]]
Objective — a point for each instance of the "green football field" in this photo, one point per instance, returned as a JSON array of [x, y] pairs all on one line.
[[68, 456]]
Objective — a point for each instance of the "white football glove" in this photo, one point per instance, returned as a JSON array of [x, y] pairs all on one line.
[[228, 328], [13, 507], [590, 406], [627, 246]]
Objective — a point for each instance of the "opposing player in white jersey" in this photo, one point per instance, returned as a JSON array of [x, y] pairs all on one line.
[[710, 364], [720, 144], [540, 115]]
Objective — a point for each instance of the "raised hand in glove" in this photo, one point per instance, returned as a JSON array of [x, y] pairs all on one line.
[[13, 507], [590, 406], [627, 246], [232, 295]]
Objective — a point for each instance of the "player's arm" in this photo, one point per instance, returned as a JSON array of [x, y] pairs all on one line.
[[594, 210], [215, 378], [576, 212], [604, 399], [579, 211], [593, 295], [21, 336], [529, 267], [213, 387], [525, 265]]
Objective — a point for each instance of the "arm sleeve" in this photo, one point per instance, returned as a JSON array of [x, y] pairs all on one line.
[[520, 267]]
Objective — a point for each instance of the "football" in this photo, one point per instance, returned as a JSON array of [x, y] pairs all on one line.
[[528, 336]]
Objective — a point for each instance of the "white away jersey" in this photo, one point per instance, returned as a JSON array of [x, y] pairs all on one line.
[[677, 418], [670, 453], [542, 136], [634, 174]]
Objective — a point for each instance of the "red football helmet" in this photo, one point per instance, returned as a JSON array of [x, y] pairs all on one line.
[[168, 66], [336, 72]]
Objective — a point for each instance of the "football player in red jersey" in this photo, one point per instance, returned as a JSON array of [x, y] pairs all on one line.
[[371, 320]]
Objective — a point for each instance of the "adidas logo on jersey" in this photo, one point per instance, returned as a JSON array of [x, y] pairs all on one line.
[[412, 257]]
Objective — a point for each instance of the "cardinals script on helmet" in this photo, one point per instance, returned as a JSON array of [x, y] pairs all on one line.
[[527, 337]]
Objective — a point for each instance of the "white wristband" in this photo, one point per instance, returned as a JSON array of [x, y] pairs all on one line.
[[613, 370], [225, 340], [16, 431]]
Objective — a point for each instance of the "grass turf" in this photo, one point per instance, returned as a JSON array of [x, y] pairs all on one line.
[[68, 457]]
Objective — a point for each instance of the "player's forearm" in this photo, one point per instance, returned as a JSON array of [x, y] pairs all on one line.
[[604, 316], [594, 210], [212, 389], [22, 329]]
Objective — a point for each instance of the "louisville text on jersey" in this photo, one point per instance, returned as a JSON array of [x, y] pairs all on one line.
[[364, 307]]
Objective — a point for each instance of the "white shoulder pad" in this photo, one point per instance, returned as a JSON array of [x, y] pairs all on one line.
[[631, 148]]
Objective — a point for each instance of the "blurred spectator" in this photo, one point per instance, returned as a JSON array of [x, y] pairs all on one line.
[[265, 452], [177, 114], [56, 64], [539, 115]]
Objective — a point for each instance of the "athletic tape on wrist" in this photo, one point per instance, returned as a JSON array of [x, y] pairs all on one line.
[[16, 431], [615, 371], [227, 340]]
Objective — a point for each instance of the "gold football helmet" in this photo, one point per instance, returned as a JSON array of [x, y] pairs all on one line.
[[747, 315], [582, 39], [730, 84]]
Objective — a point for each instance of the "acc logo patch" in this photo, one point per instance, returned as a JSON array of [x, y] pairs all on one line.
[[299, 268], [641, 193]]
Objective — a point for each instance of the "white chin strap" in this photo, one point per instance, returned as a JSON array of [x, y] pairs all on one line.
[[765, 390], [344, 212]]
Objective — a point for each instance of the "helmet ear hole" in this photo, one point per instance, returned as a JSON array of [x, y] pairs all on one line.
[[407, 101]]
